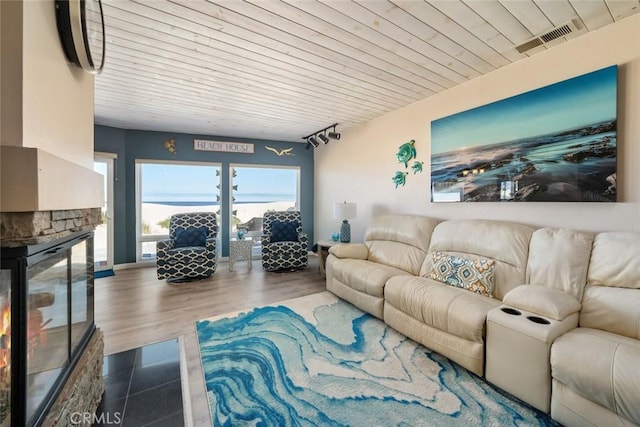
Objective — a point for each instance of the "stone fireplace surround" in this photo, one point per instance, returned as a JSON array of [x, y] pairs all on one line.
[[84, 387], [33, 228]]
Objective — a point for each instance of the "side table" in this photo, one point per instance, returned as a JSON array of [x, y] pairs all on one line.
[[239, 250], [323, 253]]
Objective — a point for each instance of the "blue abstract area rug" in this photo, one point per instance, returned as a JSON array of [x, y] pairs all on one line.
[[319, 361]]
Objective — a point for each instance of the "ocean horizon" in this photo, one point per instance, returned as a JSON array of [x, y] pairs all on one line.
[[206, 203], [205, 199]]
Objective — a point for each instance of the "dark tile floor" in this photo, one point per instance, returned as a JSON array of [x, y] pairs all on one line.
[[142, 388]]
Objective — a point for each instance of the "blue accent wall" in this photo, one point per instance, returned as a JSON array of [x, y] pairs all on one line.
[[131, 145]]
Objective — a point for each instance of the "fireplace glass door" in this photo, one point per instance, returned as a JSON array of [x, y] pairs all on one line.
[[82, 314], [47, 326], [49, 287]]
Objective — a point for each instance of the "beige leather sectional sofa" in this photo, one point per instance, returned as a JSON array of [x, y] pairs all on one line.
[[560, 329]]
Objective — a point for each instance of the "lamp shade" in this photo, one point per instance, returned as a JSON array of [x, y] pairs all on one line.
[[344, 210]]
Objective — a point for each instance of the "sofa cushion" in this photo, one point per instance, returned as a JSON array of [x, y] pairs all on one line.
[[413, 230], [447, 308], [615, 259], [505, 242], [611, 309], [362, 275], [559, 259], [542, 301], [399, 241], [472, 275], [600, 366]]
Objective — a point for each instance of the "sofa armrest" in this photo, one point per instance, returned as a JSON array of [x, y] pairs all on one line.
[[350, 250], [548, 302], [162, 248], [164, 245]]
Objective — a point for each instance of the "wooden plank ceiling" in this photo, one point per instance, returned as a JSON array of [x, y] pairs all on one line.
[[280, 70]]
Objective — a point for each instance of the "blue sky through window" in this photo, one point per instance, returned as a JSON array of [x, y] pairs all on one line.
[[265, 184]]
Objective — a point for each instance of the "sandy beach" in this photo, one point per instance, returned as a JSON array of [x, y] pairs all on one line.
[[153, 213]]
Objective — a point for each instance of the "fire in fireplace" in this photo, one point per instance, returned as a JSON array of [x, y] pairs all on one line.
[[46, 290], [5, 355]]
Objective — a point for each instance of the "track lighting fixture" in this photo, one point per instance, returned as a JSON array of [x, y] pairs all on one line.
[[322, 135], [313, 141]]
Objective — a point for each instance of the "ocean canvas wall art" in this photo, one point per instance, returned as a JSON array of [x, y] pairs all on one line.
[[553, 144]]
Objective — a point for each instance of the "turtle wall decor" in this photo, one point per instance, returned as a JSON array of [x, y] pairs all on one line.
[[400, 178], [406, 153], [417, 167]]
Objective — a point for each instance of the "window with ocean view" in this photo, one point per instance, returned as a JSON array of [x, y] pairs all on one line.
[[256, 190], [165, 189]]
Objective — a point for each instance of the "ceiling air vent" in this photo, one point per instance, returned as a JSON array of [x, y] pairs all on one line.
[[560, 31]]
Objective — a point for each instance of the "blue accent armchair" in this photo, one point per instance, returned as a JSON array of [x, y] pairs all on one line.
[[284, 245], [190, 251]]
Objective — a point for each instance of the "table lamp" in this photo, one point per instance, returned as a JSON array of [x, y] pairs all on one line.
[[344, 211]]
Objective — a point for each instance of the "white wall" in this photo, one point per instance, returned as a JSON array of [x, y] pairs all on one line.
[[46, 116], [46, 102], [359, 167], [57, 97], [11, 73]]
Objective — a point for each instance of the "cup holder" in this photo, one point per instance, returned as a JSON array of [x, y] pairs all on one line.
[[511, 311], [538, 320]]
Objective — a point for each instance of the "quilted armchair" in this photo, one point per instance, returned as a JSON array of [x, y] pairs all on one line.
[[190, 251], [284, 245]]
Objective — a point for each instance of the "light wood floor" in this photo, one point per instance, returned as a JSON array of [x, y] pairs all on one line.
[[134, 308]]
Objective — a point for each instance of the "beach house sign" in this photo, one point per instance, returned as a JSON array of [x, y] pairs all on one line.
[[227, 147]]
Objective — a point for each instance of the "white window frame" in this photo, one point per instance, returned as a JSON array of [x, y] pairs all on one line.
[[110, 159]]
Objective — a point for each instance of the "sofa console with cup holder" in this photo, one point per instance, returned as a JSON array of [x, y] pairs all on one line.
[[551, 316]]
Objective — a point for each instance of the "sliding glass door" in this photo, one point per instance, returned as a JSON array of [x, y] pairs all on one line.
[[103, 237]]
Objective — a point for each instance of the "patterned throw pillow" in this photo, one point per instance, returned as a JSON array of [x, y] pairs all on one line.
[[191, 236], [473, 275], [284, 231]]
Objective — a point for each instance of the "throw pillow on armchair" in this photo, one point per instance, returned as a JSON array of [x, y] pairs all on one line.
[[192, 236], [284, 231]]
